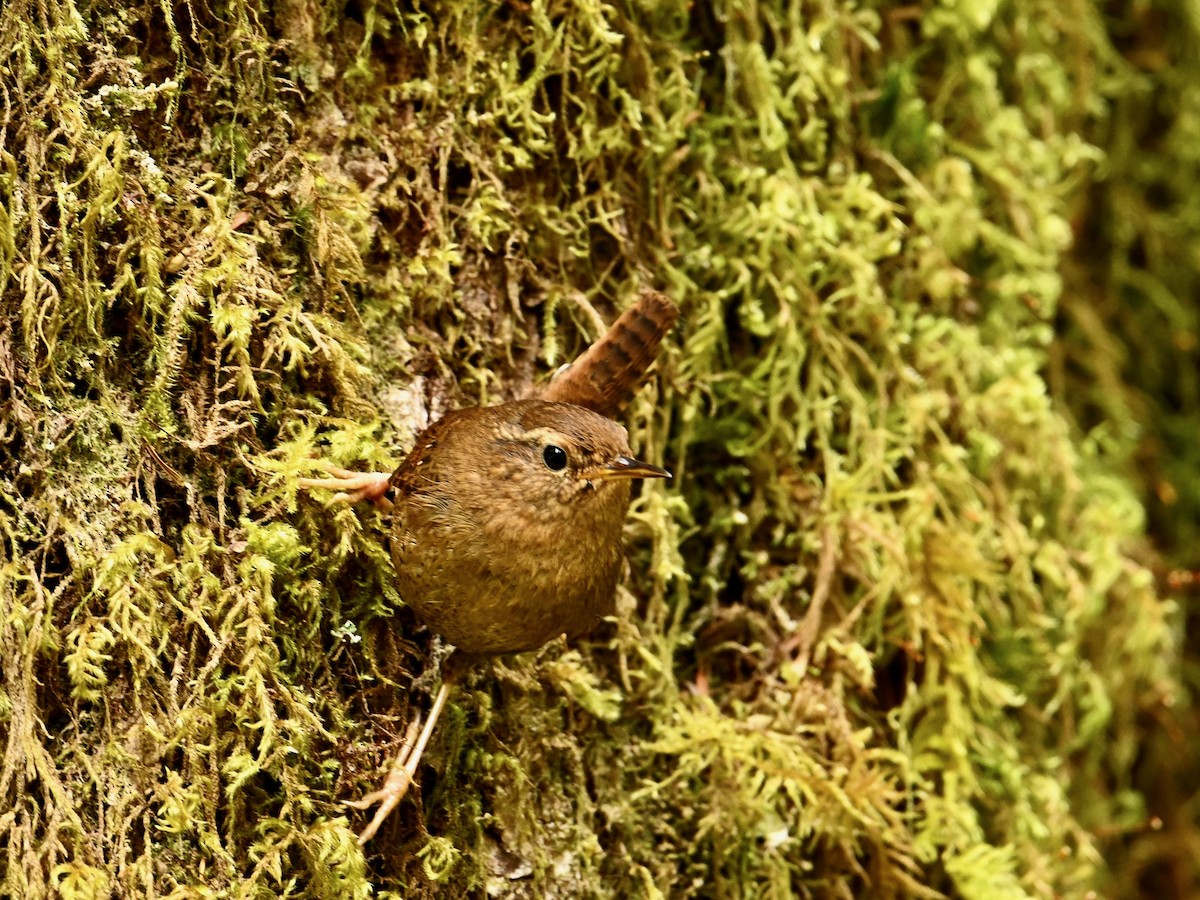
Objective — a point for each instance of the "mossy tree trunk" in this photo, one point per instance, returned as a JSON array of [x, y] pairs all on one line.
[[886, 634]]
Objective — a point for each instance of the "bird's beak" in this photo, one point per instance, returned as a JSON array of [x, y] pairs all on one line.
[[624, 467]]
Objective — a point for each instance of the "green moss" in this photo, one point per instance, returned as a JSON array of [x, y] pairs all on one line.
[[887, 632]]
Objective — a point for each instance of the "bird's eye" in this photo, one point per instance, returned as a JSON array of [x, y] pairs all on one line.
[[555, 457]]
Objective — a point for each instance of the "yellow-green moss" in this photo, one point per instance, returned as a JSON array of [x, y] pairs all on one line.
[[886, 632]]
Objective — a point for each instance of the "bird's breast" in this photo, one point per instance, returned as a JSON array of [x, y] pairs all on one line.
[[502, 577]]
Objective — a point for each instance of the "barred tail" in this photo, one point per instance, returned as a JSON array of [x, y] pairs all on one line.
[[607, 375]]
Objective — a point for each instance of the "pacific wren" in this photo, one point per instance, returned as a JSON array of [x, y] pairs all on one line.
[[506, 520]]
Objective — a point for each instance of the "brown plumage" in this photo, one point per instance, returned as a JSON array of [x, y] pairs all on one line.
[[506, 520], [495, 549], [607, 375]]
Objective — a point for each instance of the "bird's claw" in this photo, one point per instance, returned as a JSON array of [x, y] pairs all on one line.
[[388, 797], [394, 788], [351, 486], [403, 769]]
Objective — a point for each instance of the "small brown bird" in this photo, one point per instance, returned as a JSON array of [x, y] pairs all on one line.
[[506, 520]]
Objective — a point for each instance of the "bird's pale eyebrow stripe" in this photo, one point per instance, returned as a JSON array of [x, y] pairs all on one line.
[[537, 435], [509, 432], [517, 441]]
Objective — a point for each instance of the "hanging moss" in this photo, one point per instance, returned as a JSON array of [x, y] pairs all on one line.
[[886, 633]]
